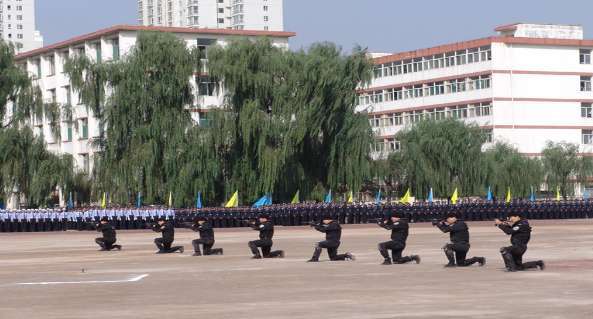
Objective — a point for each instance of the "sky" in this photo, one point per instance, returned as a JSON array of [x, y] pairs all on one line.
[[379, 25]]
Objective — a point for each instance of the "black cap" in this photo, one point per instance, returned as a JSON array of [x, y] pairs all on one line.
[[161, 219], [327, 217], [200, 218], [266, 216], [104, 219], [396, 215], [452, 214], [511, 214]]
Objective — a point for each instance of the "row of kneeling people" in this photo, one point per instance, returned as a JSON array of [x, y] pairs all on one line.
[[455, 251]]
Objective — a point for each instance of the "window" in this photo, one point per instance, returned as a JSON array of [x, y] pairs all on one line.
[[585, 56], [84, 124], [68, 95], [585, 83], [587, 136], [85, 163], [488, 134], [52, 96], [586, 110], [221, 20], [206, 86], [393, 145], [98, 51], [115, 47], [51, 62], [68, 132]]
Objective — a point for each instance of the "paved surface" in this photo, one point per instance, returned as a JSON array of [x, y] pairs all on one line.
[[62, 275]]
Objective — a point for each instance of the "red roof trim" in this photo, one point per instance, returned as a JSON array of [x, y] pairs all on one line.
[[121, 28]]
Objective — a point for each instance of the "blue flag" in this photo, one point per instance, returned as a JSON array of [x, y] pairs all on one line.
[[532, 195], [269, 199], [328, 197], [199, 201], [139, 200], [261, 202], [430, 196], [489, 194], [70, 202], [378, 198]]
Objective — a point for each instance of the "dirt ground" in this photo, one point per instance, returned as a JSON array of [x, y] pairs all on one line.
[[62, 275]]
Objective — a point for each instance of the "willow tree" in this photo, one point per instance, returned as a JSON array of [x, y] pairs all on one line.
[[506, 167], [27, 169], [150, 144], [563, 165], [443, 155], [289, 121]]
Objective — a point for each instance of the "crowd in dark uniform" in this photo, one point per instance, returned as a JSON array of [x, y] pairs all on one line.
[[511, 218], [38, 220]]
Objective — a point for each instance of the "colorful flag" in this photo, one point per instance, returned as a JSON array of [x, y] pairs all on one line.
[[234, 201], [350, 198], [199, 201], [70, 202], [454, 197], [489, 194], [378, 198], [430, 196], [406, 198], [296, 199], [558, 193], [261, 202], [139, 200], [104, 200], [170, 199], [508, 198], [328, 197], [532, 195]]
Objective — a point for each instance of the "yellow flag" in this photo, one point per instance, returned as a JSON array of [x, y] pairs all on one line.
[[454, 197], [296, 199], [104, 200], [170, 199], [557, 193], [234, 201], [508, 198], [350, 198], [406, 198]]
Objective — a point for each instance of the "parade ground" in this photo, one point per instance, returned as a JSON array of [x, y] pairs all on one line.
[[63, 275]]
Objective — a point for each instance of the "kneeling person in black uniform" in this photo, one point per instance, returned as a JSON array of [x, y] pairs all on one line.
[[266, 233], [333, 233], [164, 243], [108, 240], [397, 244], [520, 232], [206, 238], [456, 251]]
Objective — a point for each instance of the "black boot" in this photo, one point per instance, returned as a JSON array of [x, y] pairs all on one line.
[[415, 258], [387, 261], [217, 251]]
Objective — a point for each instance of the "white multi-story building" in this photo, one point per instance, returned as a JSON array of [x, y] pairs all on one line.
[[264, 15], [528, 85], [17, 24], [46, 65]]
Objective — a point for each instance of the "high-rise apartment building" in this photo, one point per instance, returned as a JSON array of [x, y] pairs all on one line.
[[17, 24], [266, 15]]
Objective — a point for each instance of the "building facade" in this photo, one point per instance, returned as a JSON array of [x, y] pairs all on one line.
[[46, 65], [525, 86], [266, 15], [17, 24]]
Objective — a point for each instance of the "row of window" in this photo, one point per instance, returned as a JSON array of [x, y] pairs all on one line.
[[405, 118], [391, 145], [436, 61], [50, 60], [426, 89]]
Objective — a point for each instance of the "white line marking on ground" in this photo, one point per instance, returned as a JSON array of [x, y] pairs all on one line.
[[133, 279]]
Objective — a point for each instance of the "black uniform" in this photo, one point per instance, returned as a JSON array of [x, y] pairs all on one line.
[[164, 243], [456, 251], [266, 233], [206, 239], [333, 233], [108, 240], [513, 255], [397, 244]]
